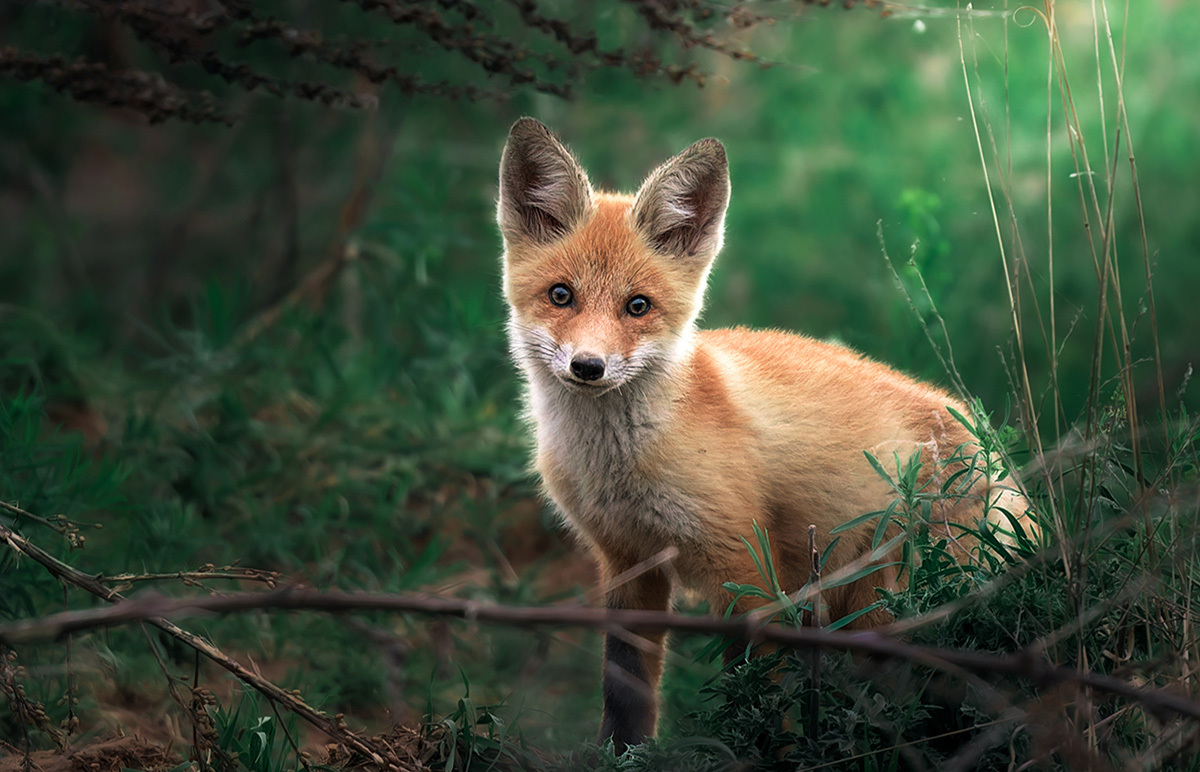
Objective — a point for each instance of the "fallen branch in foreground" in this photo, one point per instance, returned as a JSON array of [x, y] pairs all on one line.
[[1026, 664], [384, 757]]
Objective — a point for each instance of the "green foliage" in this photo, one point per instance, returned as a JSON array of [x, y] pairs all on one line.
[[756, 714], [251, 736], [788, 711], [45, 471], [764, 561], [369, 438], [474, 736], [304, 450], [249, 740]]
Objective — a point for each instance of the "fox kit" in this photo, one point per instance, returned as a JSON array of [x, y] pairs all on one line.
[[652, 434]]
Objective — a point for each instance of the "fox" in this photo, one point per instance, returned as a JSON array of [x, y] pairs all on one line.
[[651, 434]]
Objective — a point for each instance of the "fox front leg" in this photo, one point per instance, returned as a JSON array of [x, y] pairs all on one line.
[[633, 662]]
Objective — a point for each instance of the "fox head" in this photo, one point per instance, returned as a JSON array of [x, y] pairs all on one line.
[[605, 289]]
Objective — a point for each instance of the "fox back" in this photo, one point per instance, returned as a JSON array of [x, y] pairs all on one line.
[[652, 435]]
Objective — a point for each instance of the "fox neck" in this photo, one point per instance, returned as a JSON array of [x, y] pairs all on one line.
[[610, 428]]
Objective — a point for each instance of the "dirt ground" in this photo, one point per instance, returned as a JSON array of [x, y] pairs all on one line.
[[132, 752], [111, 754]]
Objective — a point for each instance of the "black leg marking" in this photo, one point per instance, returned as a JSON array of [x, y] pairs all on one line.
[[628, 699]]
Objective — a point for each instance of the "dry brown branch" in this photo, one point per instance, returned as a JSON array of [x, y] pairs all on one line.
[[519, 43], [1025, 664], [661, 18], [26, 710], [353, 57], [814, 581], [91, 584], [147, 93], [61, 524], [69, 529], [661, 559], [231, 573], [494, 54]]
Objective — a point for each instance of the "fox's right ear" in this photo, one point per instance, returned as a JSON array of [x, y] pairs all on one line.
[[544, 193]]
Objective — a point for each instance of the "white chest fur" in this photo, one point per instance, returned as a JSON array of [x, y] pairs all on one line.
[[602, 458]]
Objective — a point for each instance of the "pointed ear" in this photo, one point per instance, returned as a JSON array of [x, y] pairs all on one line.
[[680, 209], [544, 193]]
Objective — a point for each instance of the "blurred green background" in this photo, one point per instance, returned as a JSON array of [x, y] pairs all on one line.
[[110, 226], [372, 439]]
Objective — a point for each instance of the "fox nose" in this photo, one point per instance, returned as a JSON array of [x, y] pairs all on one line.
[[587, 368]]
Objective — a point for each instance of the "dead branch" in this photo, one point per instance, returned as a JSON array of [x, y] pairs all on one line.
[[147, 93], [1027, 664], [525, 48], [93, 585], [208, 573]]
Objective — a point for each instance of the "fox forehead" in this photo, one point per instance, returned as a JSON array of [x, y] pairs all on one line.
[[604, 261]]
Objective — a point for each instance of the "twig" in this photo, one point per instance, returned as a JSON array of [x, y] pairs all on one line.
[[71, 724], [664, 557], [287, 732], [196, 694], [204, 738], [496, 55], [269, 690], [26, 710], [814, 582], [353, 57], [1026, 664], [147, 93], [269, 578], [69, 529]]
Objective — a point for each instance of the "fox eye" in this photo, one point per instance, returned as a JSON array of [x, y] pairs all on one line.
[[560, 295], [638, 305]]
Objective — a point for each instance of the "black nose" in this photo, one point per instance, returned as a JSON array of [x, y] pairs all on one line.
[[588, 368]]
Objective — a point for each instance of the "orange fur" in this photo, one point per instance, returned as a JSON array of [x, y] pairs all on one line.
[[686, 439]]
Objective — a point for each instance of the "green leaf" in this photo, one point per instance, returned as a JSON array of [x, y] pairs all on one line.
[[881, 527], [764, 543], [846, 526], [853, 616], [949, 481], [746, 590], [879, 470], [854, 576], [963, 420], [828, 551], [754, 556]]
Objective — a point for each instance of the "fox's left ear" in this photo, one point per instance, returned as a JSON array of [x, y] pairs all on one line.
[[680, 208]]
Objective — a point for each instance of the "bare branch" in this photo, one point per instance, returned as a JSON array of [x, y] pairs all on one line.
[[517, 41], [232, 573], [143, 92], [496, 55], [354, 57], [662, 18], [1025, 664], [352, 740]]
